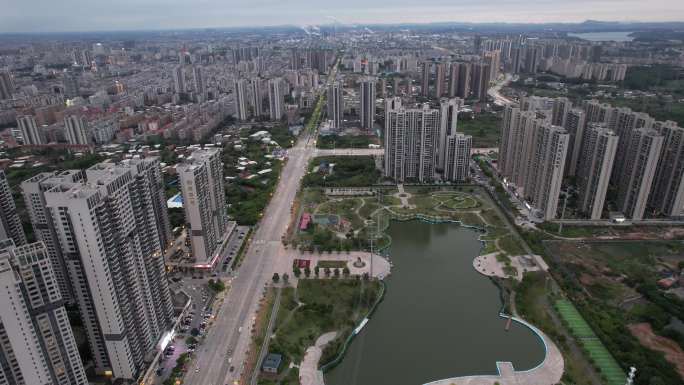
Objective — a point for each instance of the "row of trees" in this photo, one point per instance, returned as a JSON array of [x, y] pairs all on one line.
[[335, 272]]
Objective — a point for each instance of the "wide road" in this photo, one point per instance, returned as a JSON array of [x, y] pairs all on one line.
[[495, 91], [228, 339], [350, 152]]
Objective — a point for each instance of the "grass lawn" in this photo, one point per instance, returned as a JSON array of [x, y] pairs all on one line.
[[329, 305], [332, 264], [484, 129], [510, 245]]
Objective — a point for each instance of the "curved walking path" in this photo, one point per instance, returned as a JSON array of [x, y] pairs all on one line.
[[549, 372], [308, 370]]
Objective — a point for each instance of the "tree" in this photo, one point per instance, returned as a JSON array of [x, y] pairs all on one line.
[[191, 340], [337, 273], [366, 276], [194, 332], [327, 271], [317, 270], [297, 271], [276, 277], [286, 278], [346, 272], [307, 272]]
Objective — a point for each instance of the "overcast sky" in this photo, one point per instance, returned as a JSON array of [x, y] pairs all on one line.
[[94, 15]]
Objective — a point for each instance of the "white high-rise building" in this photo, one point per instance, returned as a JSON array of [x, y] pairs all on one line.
[[457, 157], [574, 123], [668, 189], [240, 88], [33, 191], [276, 98], [10, 224], [367, 103], [37, 345], [638, 172], [200, 83], [76, 130], [30, 132], [6, 85], [411, 137], [257, 98], [335, 105], [109, 233], [204, 202], [448, 113], [179, 79], [597, 154], [533, 154]]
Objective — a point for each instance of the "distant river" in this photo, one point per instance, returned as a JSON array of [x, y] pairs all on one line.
[[439, 318], [604, 36]]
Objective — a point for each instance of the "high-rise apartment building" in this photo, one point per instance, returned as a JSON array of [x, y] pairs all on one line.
[[179, 79], [598, 149], [71, 86], [638, 172], [200, 82], [109, 233], [10, 224], [411, 137], [457, 157], [532, 158], [480, 81], [335, 104], [574, 123], [33, 191], [561, 107], [464, 75], [204, 202], [440, 79], [276, 99], [37, 345], [6, 85], [667, 196], [367, 103], [257, 97], [448, 114], [76, 130], [454, 71], [425, 70], [31, 134], [240, 91]]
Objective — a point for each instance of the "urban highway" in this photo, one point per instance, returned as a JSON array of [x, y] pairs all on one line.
[[227, 341]]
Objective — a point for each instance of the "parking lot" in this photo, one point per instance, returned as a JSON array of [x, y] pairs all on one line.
[[194, 284]]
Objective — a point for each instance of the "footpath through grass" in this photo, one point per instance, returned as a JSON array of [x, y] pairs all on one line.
[[602, 358], [328, 305]]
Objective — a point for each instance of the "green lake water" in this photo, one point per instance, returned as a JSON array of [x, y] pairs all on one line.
[[439, 318]]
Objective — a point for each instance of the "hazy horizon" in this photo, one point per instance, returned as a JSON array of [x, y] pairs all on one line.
[[79, 16]]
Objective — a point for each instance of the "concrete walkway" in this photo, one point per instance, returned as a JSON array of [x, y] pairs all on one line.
[[549, 372], [488, 265], [403, 196], [308, 370], [381, 266]]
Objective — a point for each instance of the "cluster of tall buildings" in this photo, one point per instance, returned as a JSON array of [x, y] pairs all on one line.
[[422, 143], [249, 98], [520, 55], [604, 148], [458, 79], [101, 235], [318, 59]]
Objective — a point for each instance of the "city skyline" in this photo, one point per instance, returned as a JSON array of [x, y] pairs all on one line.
[[29, 16]]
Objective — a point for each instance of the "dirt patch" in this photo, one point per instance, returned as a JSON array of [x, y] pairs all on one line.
[[673, 352]]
